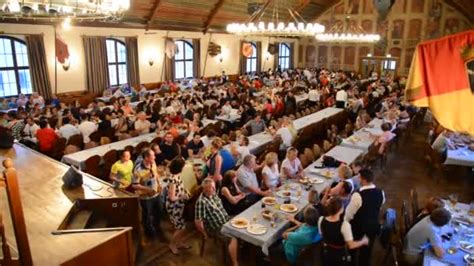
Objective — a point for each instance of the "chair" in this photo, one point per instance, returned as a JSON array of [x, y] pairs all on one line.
[[303, 160], [309, 255], [389, 238], [109, 159], [76, 140], [316, 151], [308, 153], [105, 140], [93, 166], [140, 147], [71, 149], [414, 203], [326, 145], [156, 140], [58, 149], [405, 219], [95, 136], [90, 145], [123, 137]]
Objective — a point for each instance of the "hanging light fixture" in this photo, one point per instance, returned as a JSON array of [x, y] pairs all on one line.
[[347, 33], [59, 10], [256, 24]]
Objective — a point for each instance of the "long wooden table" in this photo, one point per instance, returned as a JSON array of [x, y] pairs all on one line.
[[46, 203]]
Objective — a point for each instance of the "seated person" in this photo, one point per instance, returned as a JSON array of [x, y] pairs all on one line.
[[345, 175], [142, 125], [425, 234], [195, 147], [256, 125], [270, 172], [291, 167], [169, 150], [210, 216], [241, 150], [432, 203], [299, 236], [233, 199], [248, 179]]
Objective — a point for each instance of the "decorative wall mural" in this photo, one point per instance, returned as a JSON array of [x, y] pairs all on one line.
[[323, 54], [408, 56], [310, 54], [417, 6], [400, 6], [414, 29], [349, 55], [363, 51], [395, 52], [336, 55], [367, 25], [367, 7], [300, 53], [353, 7], [397, 30], [339, 8], [451, 25]]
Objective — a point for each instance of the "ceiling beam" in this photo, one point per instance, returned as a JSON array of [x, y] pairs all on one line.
[[462, 9], [153, 13], [211, 16]]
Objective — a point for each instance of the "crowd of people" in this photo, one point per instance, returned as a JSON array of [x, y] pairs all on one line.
[[344, 217]]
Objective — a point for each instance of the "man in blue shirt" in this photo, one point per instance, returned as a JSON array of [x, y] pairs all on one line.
[[426, 234], [297, 237]]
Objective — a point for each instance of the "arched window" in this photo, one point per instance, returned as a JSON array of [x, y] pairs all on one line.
[[183, 60], [252, 60], [284, 56], [14, 67], [117, 61]]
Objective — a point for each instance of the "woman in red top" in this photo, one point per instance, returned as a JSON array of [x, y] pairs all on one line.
[[268, 106], [46, 136]]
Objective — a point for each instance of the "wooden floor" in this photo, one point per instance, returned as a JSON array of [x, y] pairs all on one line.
[[406, 169]]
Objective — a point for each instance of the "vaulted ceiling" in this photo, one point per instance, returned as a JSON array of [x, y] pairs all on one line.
[[214, 15]]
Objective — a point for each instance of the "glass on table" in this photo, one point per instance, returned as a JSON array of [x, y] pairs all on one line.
[[453, 199]]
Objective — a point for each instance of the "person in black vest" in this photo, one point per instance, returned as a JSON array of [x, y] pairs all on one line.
[[337, 235], [363, 214]]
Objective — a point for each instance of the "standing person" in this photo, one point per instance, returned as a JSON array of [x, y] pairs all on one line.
[[313, 96], [341, 98], [210, 216], [337, 235], [122, 170], [175, 202], [169, 149], [363, 214], [146, 184]]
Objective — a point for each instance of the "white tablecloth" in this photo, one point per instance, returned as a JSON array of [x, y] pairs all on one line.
[[256, 142], [78, 158], [460, 156], [344, 154], [273, 233], [313, 118], [206, 122], [301, 98], [359, 140], [231, 118]]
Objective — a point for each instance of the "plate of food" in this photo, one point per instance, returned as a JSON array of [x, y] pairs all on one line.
[[289, 208], [304, 180], [269, 201], [267, 214], [469, 258], [294, 186], [284, 193], [467, 247], [240, 222], [316, 180], [257, 229]]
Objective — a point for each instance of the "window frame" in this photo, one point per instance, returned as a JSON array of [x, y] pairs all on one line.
[[184, 60], [15, 68], [252, 59], [282, 58], [117, 63]]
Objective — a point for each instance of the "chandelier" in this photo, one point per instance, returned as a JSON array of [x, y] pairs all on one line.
[[347, 33], [53, 10], [255, 25]]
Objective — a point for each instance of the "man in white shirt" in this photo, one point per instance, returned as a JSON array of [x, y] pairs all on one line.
[[30, 128], [86, 127], [67, 130], [142, 126], [285, 134], [313, 96], [341, 98], [227, 108]]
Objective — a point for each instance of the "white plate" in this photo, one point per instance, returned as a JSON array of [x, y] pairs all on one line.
[[316, 180], [257, 229], [240, 223], [294, 186], [284, 208], [282, 192]]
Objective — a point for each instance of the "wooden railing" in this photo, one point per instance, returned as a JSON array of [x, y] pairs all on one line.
[[10, 181]]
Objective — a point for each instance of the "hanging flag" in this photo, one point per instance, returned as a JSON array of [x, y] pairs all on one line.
[[62, 51], [247, 49], [442, 78]]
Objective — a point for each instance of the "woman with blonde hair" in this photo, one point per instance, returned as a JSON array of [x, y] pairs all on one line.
[[345, 174], [270, 173]]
